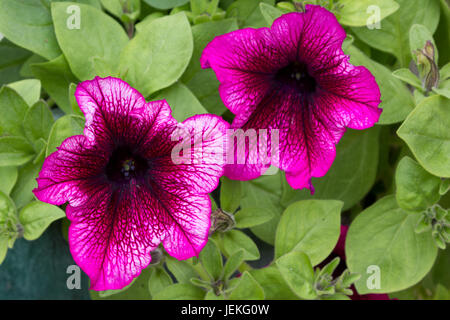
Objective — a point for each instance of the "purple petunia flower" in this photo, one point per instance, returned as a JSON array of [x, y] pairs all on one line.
[[125, 193], [294, 78]]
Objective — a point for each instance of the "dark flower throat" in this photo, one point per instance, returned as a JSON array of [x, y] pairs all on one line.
[[124, 165], [295, 76]]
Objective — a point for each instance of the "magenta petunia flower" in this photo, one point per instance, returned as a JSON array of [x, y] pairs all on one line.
[[125, 193], [294, 78]]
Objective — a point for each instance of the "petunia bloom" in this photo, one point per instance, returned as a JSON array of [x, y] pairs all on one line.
[[292, 77], [125, 193]]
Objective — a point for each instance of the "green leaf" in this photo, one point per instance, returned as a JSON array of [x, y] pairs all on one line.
[[165, 41], [26, 182], [93, 49], [38, 122], [230, 194], [416, 188], [211, 259], [444, 187], [249, 217], [396, 100], [247, 12], [310, 226], [247, 289], [357, 13], [264, 193], [270, 13], [159, 279], [15, 151], [165, 4], [203, 83], [427, 135], [137, 290], [296, 269], [352, 174], [180, 291], [37, 216], [63, 128], [445, 72], [3, 248], [29, 24], [56, 77], [234, 240], [13, 109], [271, 280], [12, 59], [8, 177], [182, 270], [407, 76], [182, 101], [383, 236], [29, 90], [393, 36], [418, 37], [233, 263]]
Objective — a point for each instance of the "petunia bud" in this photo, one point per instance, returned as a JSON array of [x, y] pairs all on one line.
[[156, 256], [427, 67], [221, 221]]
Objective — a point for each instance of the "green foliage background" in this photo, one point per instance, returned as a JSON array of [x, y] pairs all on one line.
[[389, 183]]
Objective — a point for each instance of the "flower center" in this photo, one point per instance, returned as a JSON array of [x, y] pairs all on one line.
[[125, 165], [295, 76]]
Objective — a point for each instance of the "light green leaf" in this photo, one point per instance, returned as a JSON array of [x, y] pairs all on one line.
[[204, 83], [165, 4], [351, 175], [93, 49], [270, 13], [383, 236], [26, 182], [29, 90], [250, 217], [230, 194], [396, 99], [8, 177], [13, 109], [37, 216], [416, 188], [297, 271], [182, 101], [233, 263], [393, 36], [15, 151], [407, 76], [180, 291], [38, 122], [211, 259], [357, 13], [29, 24], [247, 289], [309, 226], [56, 77], [159, 279], [182, 270], [426, 131], [63, 128], [248, 13], [234, 240], [271, 280], [164, 41], [264, 193]]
